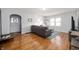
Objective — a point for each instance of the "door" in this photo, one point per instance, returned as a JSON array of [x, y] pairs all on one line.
[[15, 23]]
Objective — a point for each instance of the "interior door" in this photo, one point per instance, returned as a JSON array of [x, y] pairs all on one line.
[[15, 25]]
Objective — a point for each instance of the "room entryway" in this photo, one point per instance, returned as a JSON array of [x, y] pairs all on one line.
[[15, 23]]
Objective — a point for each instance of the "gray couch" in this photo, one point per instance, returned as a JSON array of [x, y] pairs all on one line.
[[40, 30]]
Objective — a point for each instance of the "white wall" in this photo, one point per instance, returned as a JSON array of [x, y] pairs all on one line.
[[0, 24], [26, 26], [65, 21], [6, 12]]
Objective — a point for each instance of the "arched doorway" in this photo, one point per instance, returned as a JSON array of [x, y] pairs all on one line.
[[15, 23]]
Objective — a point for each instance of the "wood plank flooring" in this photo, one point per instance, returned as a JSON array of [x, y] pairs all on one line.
[[31, 41]]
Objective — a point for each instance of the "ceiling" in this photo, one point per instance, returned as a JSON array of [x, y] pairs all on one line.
[[40, 11], [48, 11]]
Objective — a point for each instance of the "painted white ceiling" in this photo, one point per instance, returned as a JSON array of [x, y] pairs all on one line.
[[48, 11]]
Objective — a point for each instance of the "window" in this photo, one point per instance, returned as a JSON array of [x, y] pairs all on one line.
[[16, 20], [55, 22], [58, 21], [12, 20], [52, 22]]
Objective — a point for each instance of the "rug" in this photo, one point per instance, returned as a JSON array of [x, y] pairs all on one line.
[[53, 35]]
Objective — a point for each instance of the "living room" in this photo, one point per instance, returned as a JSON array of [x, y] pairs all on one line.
[[57, 21]]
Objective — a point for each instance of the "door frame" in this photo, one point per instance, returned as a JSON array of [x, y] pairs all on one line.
[[20, 21]]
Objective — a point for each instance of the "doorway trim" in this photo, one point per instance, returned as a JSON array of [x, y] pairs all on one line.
[[20, 21]]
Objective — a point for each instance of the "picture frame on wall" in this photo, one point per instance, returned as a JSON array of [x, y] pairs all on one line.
[[29, 19]]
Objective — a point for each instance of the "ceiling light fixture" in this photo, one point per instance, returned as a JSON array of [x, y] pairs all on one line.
[[43, 8]]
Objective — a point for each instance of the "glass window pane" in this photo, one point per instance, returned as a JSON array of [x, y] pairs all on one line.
[[58, 24], [58, 20], [52, 22], [12, 20], [16, 20]]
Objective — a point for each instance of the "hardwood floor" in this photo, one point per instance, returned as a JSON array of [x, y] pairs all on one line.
[[31, 41]]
